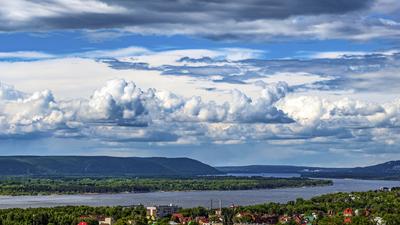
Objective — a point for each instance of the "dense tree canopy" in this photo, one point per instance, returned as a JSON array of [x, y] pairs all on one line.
[[34, 186]]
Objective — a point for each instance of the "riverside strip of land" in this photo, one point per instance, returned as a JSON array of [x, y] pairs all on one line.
[[70, 185]]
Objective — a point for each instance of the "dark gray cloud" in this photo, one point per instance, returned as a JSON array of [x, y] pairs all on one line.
[[236, 9], [362, 72], [210, 18]]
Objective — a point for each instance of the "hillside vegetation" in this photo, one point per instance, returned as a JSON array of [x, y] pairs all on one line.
[[385, 171], [101, 166]]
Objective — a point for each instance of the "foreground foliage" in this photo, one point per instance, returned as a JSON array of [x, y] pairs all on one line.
[[370, 206], [70, 215], [35, 186], [329, 208]]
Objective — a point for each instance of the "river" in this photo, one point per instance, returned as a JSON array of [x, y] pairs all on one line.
[[195, 198]]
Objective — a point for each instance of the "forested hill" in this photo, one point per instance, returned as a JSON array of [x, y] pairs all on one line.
[[101, 166], [388, 170]]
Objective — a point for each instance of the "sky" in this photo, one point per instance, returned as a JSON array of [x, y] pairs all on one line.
[[282, 82]]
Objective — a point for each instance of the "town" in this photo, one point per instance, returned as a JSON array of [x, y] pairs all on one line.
[[236, 215], [171, 212]]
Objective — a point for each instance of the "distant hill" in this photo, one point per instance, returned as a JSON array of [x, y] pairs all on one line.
[[388, 170], [101, 166]]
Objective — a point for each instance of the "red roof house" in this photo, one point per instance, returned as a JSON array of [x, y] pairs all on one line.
[[347, 220], [186, 220], [348, 212], [177, 217]]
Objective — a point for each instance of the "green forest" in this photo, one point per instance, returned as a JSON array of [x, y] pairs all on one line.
[[43, 186], [71, 215]]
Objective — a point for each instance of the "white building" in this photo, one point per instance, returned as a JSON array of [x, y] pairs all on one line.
[[106, 221], [159, 211], [379, 221]]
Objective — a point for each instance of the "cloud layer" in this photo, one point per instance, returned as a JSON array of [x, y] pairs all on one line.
[[120, 112], [255, 19], [122, 103], [199, 102]]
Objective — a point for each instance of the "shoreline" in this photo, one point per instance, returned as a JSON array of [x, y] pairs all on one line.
[[177, 191]]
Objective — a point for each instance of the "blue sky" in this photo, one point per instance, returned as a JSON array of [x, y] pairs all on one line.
[[78, 41], [255, 82]]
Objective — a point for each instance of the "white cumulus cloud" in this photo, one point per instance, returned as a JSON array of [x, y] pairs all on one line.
[[121, 112]]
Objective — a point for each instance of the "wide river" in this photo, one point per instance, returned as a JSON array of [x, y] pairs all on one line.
[[194, 198]]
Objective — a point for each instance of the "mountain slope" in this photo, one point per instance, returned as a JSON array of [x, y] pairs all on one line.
[[102, 166], [388, 170]]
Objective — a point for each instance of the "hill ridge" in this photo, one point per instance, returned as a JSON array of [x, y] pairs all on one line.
[[386, 170], [102, 166]]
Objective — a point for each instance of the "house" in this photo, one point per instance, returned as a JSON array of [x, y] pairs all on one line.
[[347, 220], [105, 220], [298, 219], [267, 219], [201, 220], [233, 206], [245, 217], [160, 211], [379, 221], [348, 212], [272, 219], [309, 220], [101, 219], [186, 220], [218, 212], [367, 212], [284, 219], [218, 216], [177, 217], [151, 212], [385, 189]]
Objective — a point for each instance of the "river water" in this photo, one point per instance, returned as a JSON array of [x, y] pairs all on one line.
[[195, 198]]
